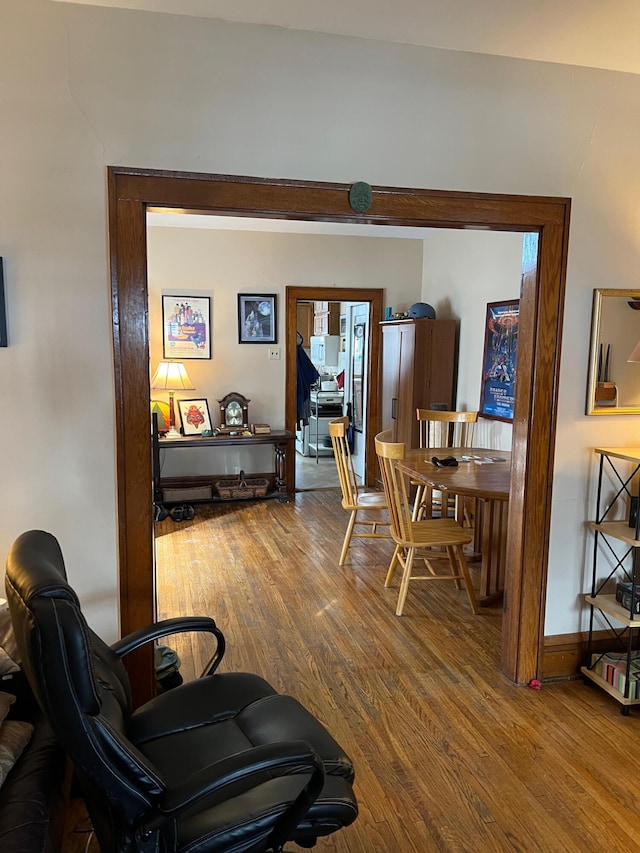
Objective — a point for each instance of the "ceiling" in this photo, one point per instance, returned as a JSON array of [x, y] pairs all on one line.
[[595, 33]]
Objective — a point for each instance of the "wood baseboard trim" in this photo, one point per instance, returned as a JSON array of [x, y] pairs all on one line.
[[564, 654]]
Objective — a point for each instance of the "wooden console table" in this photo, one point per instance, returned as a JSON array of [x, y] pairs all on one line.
[[281, 440]]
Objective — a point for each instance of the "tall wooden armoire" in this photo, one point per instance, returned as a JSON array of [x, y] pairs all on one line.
[[418, 370]]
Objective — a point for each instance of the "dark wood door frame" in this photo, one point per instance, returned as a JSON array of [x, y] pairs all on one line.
[[375, 298], [545, 222]]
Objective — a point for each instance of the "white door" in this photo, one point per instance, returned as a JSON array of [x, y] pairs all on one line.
[[356, 380]]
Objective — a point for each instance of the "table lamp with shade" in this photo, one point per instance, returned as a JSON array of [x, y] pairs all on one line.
[[171, 376]]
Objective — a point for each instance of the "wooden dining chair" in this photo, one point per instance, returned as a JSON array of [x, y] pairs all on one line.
[[419, 537], [354, 499], [442, 429]]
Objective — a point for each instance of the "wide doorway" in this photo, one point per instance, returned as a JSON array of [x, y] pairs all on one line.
[[132, 192], [339, 356]]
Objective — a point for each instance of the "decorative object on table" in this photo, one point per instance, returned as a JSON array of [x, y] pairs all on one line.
[[234, 413], [186, 326], [242, 487], [445, 461], [171, 376], [195, 417], [498, 386], [261, 429], [161, 409], [4, 342], [257, 318]]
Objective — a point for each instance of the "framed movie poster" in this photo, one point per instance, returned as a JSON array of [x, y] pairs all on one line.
[[499, 362], [186, 327]]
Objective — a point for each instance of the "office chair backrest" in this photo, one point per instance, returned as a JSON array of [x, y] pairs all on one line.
[[80, 684]]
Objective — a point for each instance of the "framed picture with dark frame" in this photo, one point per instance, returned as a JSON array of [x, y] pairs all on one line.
[[194, 416], [3, 311], [499, 361], [257, 318], [186, 327]]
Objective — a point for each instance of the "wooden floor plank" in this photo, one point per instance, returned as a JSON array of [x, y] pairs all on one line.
[[449, 755]]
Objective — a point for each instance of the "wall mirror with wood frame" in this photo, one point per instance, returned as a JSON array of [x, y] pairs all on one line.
[[614, 359]]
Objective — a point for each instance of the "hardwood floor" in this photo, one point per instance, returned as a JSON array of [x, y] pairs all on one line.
[[449, 755], [312, 473]]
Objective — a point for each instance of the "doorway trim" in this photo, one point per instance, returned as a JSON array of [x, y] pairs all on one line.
[[132, 192], [375, 298]]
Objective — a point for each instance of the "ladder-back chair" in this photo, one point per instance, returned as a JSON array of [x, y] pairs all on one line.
[[412, 537], [354, 499], [442, 429]]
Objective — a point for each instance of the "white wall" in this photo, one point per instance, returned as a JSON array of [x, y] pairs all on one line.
[[463, 270], [83, 88], [221, 264]]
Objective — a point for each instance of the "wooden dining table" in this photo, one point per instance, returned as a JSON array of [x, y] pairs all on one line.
[[482, 474]]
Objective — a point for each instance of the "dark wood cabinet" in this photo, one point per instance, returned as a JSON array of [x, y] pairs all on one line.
[[418, 370]]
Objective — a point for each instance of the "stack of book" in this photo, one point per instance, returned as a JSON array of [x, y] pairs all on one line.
[[623, 595], [612, 667]]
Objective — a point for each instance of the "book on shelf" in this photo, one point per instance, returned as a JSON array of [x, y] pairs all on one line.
[[612, 667], [623, 596]]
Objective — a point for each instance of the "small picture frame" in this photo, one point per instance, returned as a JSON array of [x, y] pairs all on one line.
[[186, 327], [257, 318], [194, 417]]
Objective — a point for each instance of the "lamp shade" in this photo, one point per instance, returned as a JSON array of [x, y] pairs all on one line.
[[171, 376], [635, 355]]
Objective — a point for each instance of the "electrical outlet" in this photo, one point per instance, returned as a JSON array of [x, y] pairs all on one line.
[[274, 353]]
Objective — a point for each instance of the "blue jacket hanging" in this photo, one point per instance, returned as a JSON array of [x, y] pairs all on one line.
[[306, 376]]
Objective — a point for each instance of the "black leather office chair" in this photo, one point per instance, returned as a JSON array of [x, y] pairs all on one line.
[[222, 763]]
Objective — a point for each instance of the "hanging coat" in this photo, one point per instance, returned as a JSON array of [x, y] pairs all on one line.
[[306, 376]]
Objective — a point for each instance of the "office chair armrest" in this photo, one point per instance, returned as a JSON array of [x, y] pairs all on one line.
[[274, 758], [178, 625]]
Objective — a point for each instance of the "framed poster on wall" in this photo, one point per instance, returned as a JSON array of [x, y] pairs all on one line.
[[257, 318], [186, 327], [499, 362]]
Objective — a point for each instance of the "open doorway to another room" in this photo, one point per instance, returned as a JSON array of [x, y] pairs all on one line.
[[132, 192], [333, 381]]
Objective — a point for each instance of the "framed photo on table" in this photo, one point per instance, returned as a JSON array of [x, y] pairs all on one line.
[[194, 417], [186, 327], [499, 362], [257, 318]]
